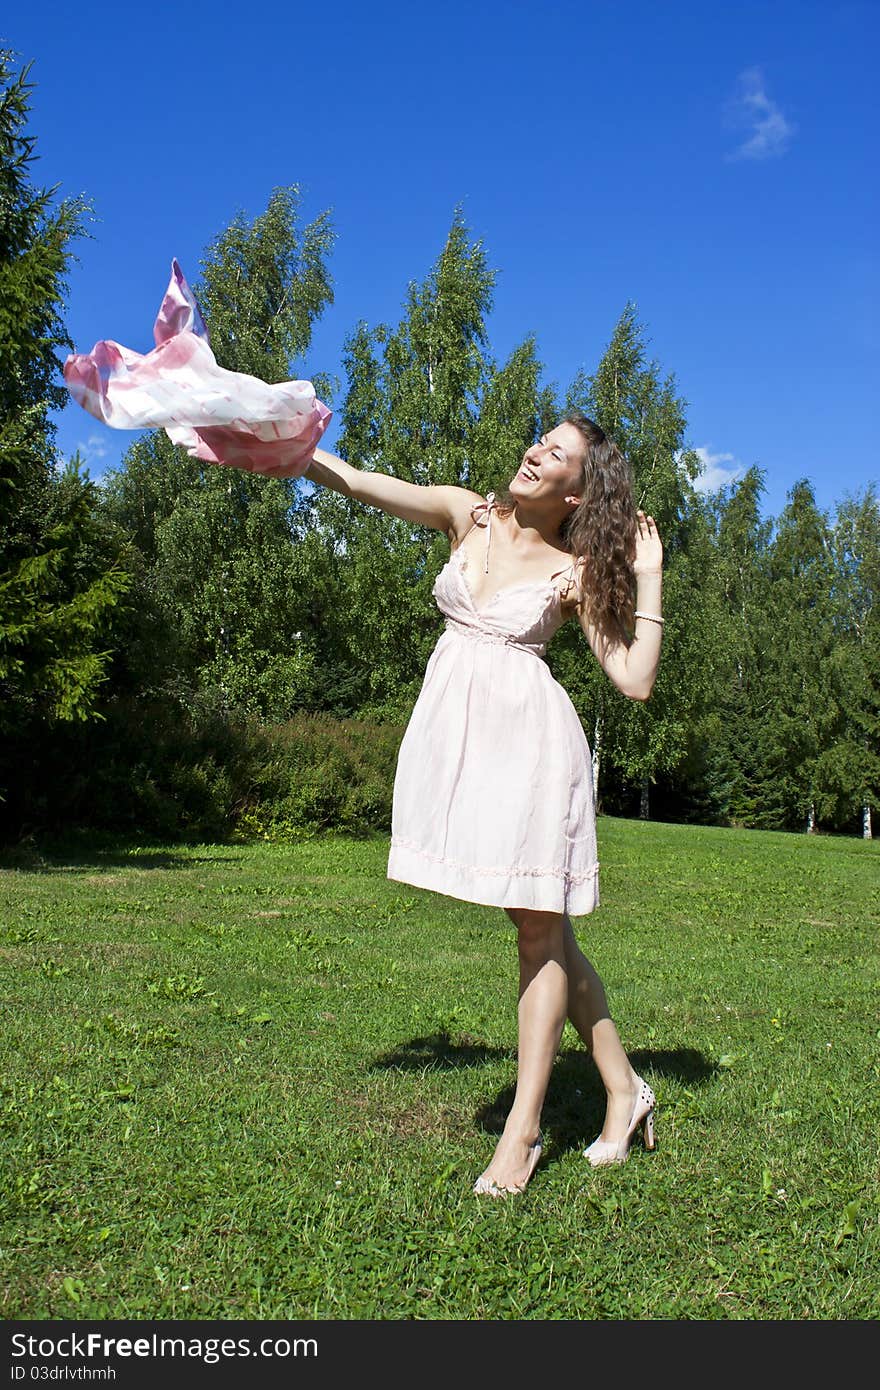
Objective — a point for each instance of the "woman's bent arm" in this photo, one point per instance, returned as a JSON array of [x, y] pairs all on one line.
[[632, 669], [445, 508]]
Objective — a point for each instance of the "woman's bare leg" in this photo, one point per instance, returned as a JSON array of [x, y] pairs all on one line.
[[588, 1011], [543, 1000]]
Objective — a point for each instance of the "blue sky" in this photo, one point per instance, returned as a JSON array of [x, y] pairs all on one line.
[[714, 164]]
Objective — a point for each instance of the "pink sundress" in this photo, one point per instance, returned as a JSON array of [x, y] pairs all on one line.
[[493, 792]]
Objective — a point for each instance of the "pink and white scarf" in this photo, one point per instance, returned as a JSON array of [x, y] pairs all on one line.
[[218, 416]]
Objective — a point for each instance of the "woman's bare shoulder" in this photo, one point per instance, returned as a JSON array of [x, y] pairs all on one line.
[[461, 502]]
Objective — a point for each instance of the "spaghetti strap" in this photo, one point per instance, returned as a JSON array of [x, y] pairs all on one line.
[[488, 507], [572, 581]]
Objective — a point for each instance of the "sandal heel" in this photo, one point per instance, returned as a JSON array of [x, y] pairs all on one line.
[[648, 1130], [601, 1152]]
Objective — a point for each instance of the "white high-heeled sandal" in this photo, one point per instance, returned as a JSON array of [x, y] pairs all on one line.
[[602, 1153], [488, 1187]]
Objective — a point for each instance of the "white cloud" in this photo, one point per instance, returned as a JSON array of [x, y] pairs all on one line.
[[713, 474], [94, 448], [752, 110]]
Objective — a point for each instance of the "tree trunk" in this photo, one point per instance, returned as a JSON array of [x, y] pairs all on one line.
[[597, 757], [866, 822], [811, 820], [644, 808]]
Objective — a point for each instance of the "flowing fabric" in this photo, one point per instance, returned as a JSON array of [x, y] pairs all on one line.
[[218, 416]]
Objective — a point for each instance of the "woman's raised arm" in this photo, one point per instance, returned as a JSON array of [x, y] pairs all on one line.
[[445, 508]]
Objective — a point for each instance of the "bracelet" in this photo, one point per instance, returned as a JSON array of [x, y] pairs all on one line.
[[655, 617]]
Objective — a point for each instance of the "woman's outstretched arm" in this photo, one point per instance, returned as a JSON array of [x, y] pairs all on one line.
[[445, 508]]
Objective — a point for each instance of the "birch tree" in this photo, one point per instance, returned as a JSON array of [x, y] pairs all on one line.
[[223, 571], [412, 409]]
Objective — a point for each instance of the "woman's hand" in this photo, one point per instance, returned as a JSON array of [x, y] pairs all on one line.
[[649, 551]]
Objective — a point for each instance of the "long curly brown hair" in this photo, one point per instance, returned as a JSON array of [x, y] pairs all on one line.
[[601, 533]]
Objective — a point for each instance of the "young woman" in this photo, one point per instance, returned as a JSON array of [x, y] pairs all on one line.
[[493, 795]]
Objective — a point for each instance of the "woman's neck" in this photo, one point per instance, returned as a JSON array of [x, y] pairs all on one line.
[[530, 526]]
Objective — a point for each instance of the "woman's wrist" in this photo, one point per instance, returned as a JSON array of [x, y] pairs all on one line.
[[649, 584], [647, 605]]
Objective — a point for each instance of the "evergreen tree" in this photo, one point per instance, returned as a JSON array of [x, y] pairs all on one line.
[[737, 601], [850, 768], [61, 571], [800, 691]]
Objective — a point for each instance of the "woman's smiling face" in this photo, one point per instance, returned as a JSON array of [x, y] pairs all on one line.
[[552, 468]]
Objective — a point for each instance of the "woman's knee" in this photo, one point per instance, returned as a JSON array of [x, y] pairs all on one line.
[[538, 933]]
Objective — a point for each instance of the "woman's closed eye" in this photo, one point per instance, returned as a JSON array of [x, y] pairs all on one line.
[[557, 453]]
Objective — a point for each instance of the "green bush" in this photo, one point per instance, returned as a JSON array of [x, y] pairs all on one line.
[[192, 769], [322, 773]]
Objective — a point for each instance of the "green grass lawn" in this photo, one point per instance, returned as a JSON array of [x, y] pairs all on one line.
[[258, 1081]]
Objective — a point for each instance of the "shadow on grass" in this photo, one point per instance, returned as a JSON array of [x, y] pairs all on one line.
[[574, 1110], [439, 1052], [95, 851]]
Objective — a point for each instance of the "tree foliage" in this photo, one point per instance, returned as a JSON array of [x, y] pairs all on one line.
[[61, 570], [222, 571], [634, 744], [426, 402], [160, 631]]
